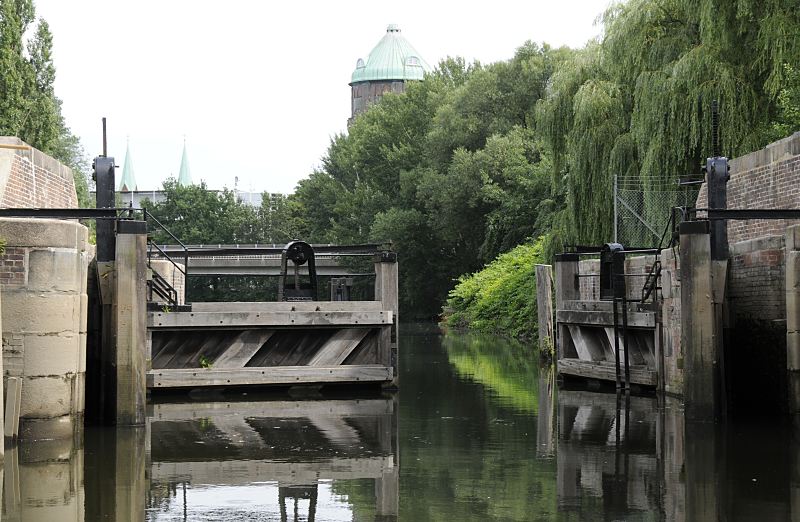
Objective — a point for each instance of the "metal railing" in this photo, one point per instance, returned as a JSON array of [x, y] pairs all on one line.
[[158, 284]]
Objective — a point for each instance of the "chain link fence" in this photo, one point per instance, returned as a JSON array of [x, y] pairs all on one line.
[[642, 211]]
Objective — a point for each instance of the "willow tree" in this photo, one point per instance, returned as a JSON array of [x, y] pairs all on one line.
[[638, 103]]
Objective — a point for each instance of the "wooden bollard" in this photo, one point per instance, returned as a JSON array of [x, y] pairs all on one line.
[[544, 305]]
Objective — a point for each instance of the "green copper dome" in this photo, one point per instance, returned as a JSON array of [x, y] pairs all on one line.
[[392, 59]]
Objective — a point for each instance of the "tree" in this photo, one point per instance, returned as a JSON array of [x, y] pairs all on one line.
[[29, 107], [197, 215], [13, 104], [638, 103], [42, 124]]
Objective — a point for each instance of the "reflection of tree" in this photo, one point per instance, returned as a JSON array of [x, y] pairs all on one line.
[[466, 454], [507, 368]]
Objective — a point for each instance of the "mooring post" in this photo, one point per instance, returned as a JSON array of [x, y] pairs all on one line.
[[793, 317], [567, 289], [130, 311], [387, 292], [544, 307], [699, 330]]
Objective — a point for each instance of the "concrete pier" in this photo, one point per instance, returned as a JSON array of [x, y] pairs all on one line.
[[44, 313]]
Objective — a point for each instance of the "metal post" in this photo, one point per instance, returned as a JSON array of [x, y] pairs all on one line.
[[616, 217], [625, 342], [616, 343], [104, 180]]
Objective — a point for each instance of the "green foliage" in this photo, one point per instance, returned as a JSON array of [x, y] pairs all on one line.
[[788, 119], [196, 216], [638, 103], [2, 246], [29, 108], [501, 298], [13, 104], [452, 172], [507, 368]]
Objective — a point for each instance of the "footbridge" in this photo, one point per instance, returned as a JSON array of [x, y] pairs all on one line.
[[260, 260]]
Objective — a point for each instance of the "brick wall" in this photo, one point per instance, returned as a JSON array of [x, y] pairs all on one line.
[[30, 178], [767, 178], [12, 266], [756, 285]]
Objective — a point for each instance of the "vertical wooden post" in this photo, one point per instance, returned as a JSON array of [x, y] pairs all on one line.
[[130, 310], [387, 292], [567, 289], [544, 306], [13, 399], [698, 330], [793, 317]]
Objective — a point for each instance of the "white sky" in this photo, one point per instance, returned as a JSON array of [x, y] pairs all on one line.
[[258, 88]]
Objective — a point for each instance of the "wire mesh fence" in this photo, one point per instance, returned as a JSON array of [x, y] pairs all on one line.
[[642, 210]]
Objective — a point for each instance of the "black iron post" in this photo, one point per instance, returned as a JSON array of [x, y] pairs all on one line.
[[717, 176], [104, 180]]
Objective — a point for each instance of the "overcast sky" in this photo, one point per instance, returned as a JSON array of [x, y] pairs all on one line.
[[258, 88]]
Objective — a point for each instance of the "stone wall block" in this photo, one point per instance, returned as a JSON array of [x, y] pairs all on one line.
[[45, 313], [48, 233], [84, 313], [47, 397], [54, 270], [50, 355]]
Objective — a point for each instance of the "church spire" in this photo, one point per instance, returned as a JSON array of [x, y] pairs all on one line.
[[184, 176], [128, 181]]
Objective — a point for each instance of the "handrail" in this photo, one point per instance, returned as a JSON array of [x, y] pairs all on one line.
[[152, 243], [165, 229], [185, 270]]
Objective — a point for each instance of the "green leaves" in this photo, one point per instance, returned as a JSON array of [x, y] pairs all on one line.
[[29, 108], [638, 104], [501, 298], [199, 216]]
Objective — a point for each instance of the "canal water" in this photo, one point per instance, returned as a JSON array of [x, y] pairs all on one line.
[[478, 432]]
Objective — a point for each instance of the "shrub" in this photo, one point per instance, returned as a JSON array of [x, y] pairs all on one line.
[[501, 298]]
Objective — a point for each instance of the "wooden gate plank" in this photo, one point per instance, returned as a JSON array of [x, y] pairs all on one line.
[[338, 347], [244, 347]]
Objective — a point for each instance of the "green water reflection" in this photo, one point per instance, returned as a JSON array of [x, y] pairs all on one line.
[[469, 432]]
